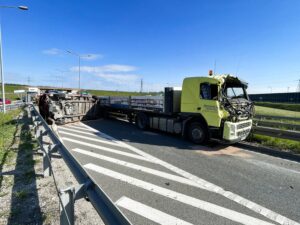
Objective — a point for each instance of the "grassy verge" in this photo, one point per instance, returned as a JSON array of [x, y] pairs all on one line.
[[10, 88], [7, 132], [19, 201], [283, 144], [286, 106], [261, 110]]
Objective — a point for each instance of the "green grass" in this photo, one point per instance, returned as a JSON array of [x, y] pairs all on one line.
[[2, 194], [283, 144], [261, 110], [7, 130], [20, 194], [286, 106]]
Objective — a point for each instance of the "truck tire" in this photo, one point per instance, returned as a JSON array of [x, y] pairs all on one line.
[[142, 121], [197, 133]]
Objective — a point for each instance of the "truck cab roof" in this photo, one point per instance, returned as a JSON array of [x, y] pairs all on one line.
[[218, 79]]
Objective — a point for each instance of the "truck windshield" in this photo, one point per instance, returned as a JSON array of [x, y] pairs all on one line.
[[235, 92]]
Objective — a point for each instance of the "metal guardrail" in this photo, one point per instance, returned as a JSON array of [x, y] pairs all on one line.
[[275, 132], [288, 126], [276, 117], [11, 106], [87, 187], [274, 128]]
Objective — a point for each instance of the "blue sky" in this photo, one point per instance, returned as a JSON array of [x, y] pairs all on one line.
[[159, 41]]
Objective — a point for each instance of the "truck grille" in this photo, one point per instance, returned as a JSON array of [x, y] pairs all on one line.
[[243, 125], [243, 133]]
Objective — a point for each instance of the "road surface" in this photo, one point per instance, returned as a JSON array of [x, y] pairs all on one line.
[[156, 178]]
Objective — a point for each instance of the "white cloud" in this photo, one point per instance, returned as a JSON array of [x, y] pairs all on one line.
[[123, 79], [113, 75], [111, 68], [52, 51]]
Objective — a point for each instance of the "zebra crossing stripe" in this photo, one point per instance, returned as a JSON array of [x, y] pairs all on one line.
[[140, 168], [150, 213], [274, 216], [106, 149], [203, 205]]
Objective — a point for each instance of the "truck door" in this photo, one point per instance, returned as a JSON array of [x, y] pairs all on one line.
[[208, 103]]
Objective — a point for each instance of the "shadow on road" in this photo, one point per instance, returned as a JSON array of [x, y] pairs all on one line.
[[129, 132]]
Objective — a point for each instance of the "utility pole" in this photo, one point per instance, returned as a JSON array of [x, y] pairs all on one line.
[[215, 67], [298, 88], [28, 80], [270, 89], [141, 90]]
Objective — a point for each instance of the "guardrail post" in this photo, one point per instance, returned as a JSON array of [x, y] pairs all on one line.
[[36, 126], [68, 197], [67, 206], [40, 138], [47, 161]]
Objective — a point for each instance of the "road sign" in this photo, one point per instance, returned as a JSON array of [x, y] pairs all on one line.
[[19, 91]]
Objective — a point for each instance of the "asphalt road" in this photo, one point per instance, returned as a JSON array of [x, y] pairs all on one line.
[[156, 178]]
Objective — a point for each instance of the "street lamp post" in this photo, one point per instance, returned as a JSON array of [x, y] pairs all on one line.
[[270, 89], [79, 57], [1, 58]]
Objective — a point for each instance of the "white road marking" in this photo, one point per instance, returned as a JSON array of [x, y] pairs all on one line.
[[140, 168], [77, 127], [97, 133], [77, 131], [106, 149], [212, 187], [91, 139], [150, 213], [203, 205]]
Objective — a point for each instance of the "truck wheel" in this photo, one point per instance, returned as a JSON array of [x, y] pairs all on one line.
[[197, 133], [142, 121]]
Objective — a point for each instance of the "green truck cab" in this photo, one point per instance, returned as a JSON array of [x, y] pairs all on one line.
[[218, 107]]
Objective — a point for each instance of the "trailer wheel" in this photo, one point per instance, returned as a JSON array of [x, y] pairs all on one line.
[[142, 121], [197, 133]]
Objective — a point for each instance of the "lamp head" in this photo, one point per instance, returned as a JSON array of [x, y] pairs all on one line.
[[22, 7]]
